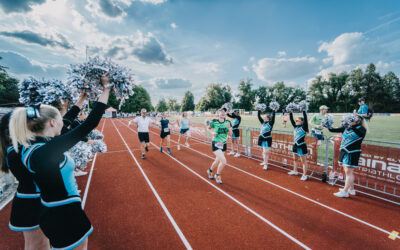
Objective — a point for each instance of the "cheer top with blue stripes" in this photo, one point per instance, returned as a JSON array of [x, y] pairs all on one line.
[[351, 138], [26, 185], [52, 167], [266, 127], [300, 131], [236, 120]]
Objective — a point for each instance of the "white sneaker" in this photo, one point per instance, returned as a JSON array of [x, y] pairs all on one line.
[[262, 163], [179, 147], [187, 144], [80, 173], [265, 167], [341, 194], [237, 155], [304, 178], [293, 173], [231, 153], [351, 191]]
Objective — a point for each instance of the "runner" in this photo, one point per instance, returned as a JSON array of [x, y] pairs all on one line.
[[184, 124], [265, 138], [165, 132], [315, 123], [143, 123], [350, 151], [219, 129], [299, 146], [235, 133]]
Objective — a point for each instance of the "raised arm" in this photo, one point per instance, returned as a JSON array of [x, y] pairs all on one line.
[[305, 123], [261, 120], [272, 119], [292, 120]]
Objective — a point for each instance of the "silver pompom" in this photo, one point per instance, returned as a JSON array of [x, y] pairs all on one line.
[[303, 106], [261, 106], [327, 122], [99, 147], [228, 107], [348, 119], [82, 154], [95, 135], [207, 122], [292, 107], [274, 106]]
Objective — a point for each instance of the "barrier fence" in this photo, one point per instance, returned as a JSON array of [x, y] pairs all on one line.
[[379, 165]]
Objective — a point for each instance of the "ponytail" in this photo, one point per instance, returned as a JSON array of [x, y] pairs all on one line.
[[4, 141], [23, 129]]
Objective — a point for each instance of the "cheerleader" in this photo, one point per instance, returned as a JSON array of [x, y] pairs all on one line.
[[165, 132], [44, 155], [235, 132], [299, 146], [26, 206], [265, 138], [184, 124], [350, 151], [219, 129]]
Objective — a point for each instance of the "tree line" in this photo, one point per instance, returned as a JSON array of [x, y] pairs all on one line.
[[338, 91]]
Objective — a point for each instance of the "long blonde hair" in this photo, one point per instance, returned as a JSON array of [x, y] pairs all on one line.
[[24, 130]]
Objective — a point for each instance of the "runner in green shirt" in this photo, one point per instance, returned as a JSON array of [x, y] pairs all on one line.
[[315, 123], [219, 129]]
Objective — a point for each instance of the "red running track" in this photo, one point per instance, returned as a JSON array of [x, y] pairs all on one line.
[[126, 214]]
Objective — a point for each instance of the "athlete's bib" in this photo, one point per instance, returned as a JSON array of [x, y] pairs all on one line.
[[219, 145], [166, 130], [317, 132]]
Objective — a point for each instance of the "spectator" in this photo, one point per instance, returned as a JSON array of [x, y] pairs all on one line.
[[316, 122], [364, 109]]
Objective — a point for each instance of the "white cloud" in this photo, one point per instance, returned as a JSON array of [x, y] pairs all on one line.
[[113, 10], [170, 83], [245, 68], [281, 53], [210, 67], [279, 69], [252, 59], [155, 2], [173, 25]]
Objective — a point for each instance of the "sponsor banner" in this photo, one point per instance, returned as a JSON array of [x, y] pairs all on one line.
[[378, 164], [282, 145]]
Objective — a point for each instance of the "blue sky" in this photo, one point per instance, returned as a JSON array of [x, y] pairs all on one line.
[[173, 45]]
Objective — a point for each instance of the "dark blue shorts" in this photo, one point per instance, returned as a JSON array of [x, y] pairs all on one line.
[[184, 130]]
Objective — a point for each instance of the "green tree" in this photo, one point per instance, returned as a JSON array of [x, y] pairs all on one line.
[[216, 95], [392, 87], [8, 87], [161, 105], [246, 95], [140, 99], [188, 102], [173, 104]]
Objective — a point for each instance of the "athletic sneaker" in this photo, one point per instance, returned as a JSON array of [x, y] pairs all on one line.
[[80, 173], [231, 153], [304, 178], [161, 149], [351, 191], [293, 173], [169, 151], [237, 155], [179, 147], [265, 167], [187, 144], [143, 156], [210, 175], [218, 179], [262, 163], [341, 194], [147, 149]]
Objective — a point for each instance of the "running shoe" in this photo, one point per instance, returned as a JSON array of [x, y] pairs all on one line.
[[80, 173], [351, 191], [341, 194], [147, 149], [143, 156], [187, 144], [210, 175], [161, 149], [293, 173], [179, 147], [218, 179], [265, 167], [169, 151], [231, 153], [304, 178], [237, 155], [262, 163]]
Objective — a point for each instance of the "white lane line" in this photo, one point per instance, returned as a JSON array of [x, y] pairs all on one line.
[[171, 219], [301, 196], [235, 200], [91, 173]]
